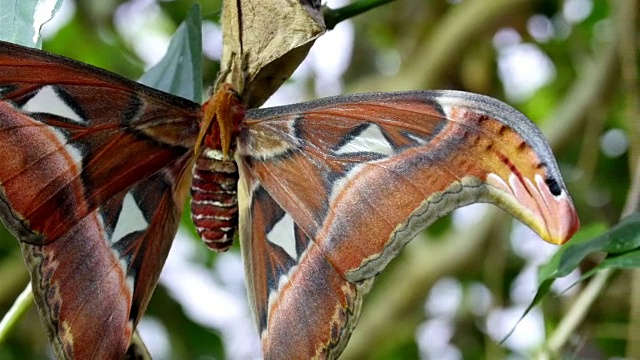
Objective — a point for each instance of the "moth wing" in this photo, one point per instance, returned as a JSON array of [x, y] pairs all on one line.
[[361, 175], [96, 169]]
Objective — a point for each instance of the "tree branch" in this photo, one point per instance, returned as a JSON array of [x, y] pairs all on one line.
[[333, 17]]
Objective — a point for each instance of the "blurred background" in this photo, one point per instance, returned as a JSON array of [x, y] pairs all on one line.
[[458, 289]]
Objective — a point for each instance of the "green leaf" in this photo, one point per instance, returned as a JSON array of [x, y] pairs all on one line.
[[570, 255], [180, 70], [590, 239], [621, 243], [623, 237], [629, 260], [561, 265], [21, 20], [543, 289]]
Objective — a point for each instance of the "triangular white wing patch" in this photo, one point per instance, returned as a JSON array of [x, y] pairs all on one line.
[[283, 235], [48, 101], [369, 140], [130, 219]]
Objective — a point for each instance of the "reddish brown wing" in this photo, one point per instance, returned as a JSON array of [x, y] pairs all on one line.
[[302, 305], [335, 188], [95, 173]]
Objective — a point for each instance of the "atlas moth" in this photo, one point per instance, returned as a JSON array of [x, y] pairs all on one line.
[[322, 194]]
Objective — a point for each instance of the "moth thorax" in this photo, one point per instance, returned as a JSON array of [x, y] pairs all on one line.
[[214, 199]]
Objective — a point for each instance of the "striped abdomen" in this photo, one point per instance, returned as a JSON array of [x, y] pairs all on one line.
[[214, 201]]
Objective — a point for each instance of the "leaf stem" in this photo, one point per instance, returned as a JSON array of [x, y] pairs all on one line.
[[576, 314], [334, 16], [16, 312]]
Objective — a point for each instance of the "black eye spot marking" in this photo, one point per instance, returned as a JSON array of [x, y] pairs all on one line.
[[553, 186]]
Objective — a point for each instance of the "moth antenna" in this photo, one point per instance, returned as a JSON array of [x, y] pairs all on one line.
[[209, 108]]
